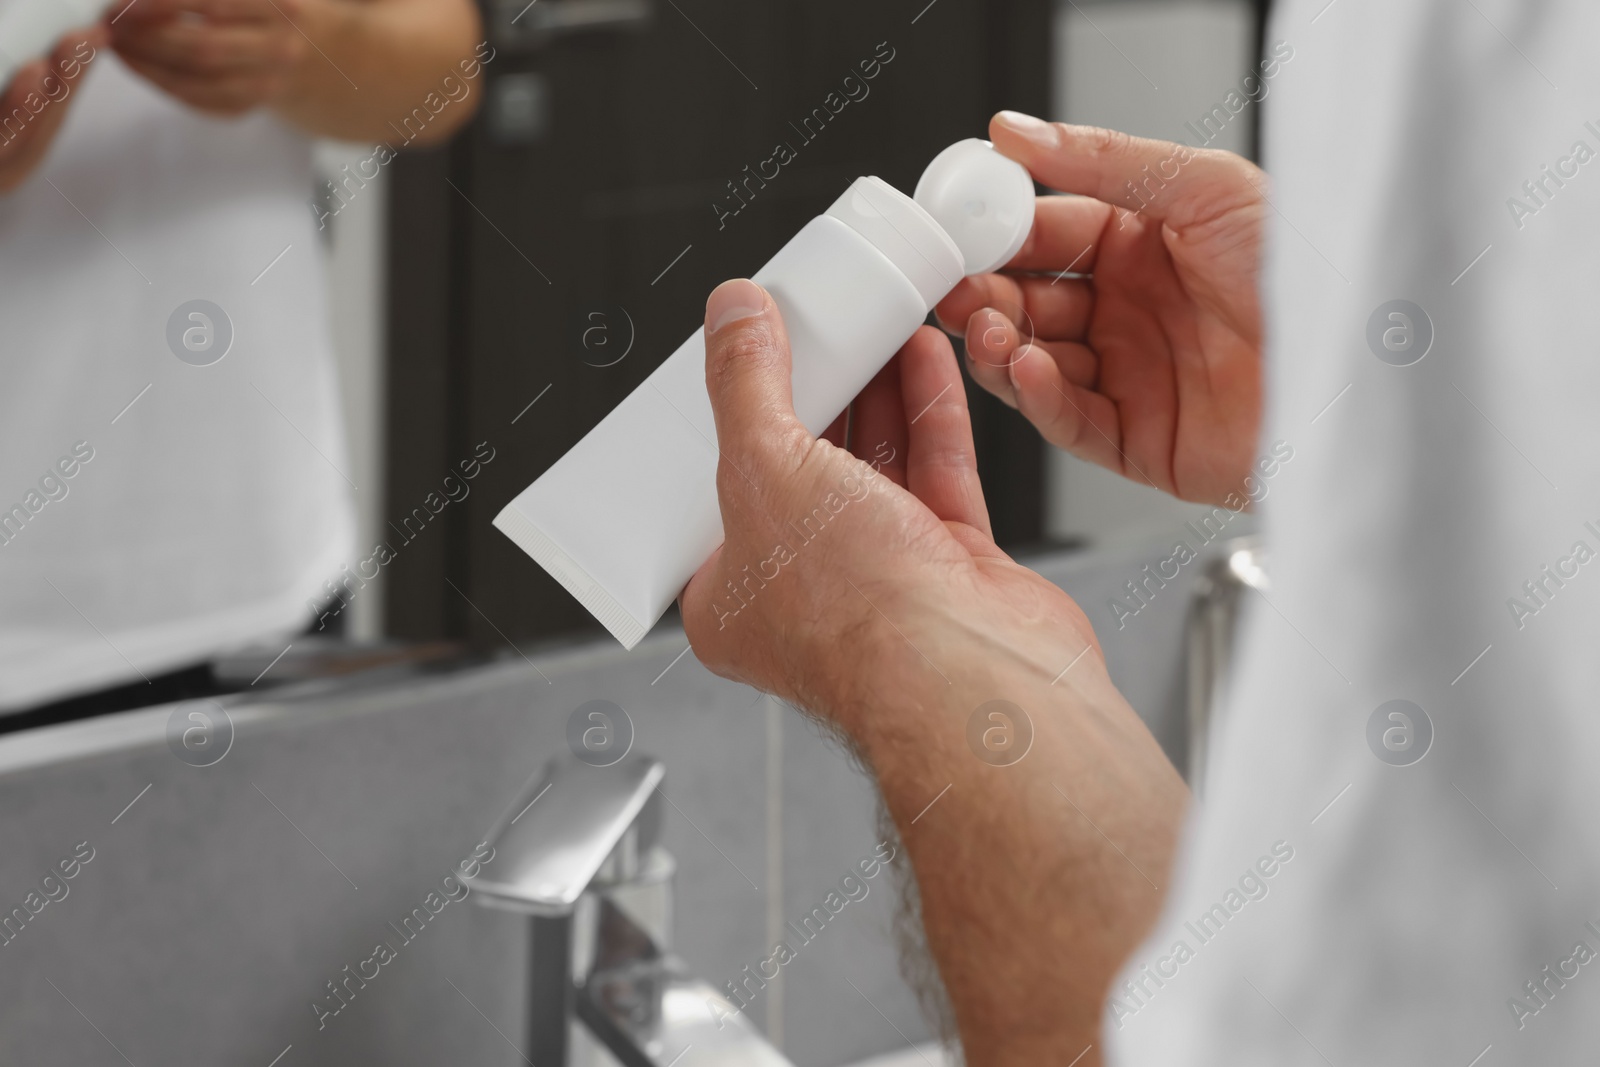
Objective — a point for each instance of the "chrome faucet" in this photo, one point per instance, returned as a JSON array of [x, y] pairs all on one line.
[[1211, 637], [578, 855]]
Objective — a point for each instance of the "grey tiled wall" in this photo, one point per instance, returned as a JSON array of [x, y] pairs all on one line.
[[218, 905]]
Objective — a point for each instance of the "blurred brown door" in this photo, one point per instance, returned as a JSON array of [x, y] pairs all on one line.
[[587, 213]]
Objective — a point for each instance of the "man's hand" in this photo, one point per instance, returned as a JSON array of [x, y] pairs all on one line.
[[865, 586], [895, 528], [399, 71], [225, 57], [35, 104], [1149, 364]]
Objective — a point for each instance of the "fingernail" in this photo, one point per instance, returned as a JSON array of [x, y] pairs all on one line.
[[1038, 131], [732, 301]]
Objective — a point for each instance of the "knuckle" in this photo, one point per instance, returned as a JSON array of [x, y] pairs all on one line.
[[722, 375], [1106, 143], [699, 631], [739, 348], [953, 457]]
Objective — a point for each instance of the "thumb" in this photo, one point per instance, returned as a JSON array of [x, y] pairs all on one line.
[[747, 374]]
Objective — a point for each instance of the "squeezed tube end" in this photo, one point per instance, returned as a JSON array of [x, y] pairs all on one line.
[[573, 578]]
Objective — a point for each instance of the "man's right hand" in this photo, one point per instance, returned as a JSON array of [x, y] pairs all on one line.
[[1128, 328], [35, 103], [865, 585]]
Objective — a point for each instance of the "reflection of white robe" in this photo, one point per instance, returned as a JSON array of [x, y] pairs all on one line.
[[207, 516], [1420, 899]]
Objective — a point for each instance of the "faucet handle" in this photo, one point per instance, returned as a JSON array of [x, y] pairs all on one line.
[[572, 824]]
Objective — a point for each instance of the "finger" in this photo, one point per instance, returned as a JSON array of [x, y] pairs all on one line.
[[1065, 236], [1171, 182], [28, 79], [1077, 420], [991, 349], [42, 78], [1077, 362], [747, 375], [941, 464], [21, 149], [225, 96], [878, 426], [74, 52], [205, 49], [123, 10], [990, 342], [1040, 307], [703, 620], [211, 10]]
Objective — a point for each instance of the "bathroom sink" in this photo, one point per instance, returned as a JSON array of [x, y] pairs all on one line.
[[237, 888]]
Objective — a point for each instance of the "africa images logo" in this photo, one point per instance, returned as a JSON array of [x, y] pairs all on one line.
[[199, 332]]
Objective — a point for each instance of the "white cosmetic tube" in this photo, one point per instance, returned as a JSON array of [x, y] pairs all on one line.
[[29, 29], [626, 517]]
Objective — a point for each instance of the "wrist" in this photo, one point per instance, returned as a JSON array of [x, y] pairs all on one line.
[[906, 682]]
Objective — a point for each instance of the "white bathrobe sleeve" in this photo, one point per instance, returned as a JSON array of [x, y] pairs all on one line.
[[1434, 540]]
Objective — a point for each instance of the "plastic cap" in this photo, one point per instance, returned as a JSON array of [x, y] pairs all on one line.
[[983, 200]]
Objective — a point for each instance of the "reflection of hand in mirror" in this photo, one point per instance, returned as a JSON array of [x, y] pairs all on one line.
[[1128, 328], [42, 91], [334, 68], [225, 58]]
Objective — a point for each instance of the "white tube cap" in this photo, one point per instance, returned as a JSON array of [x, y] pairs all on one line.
[[983, 200]]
